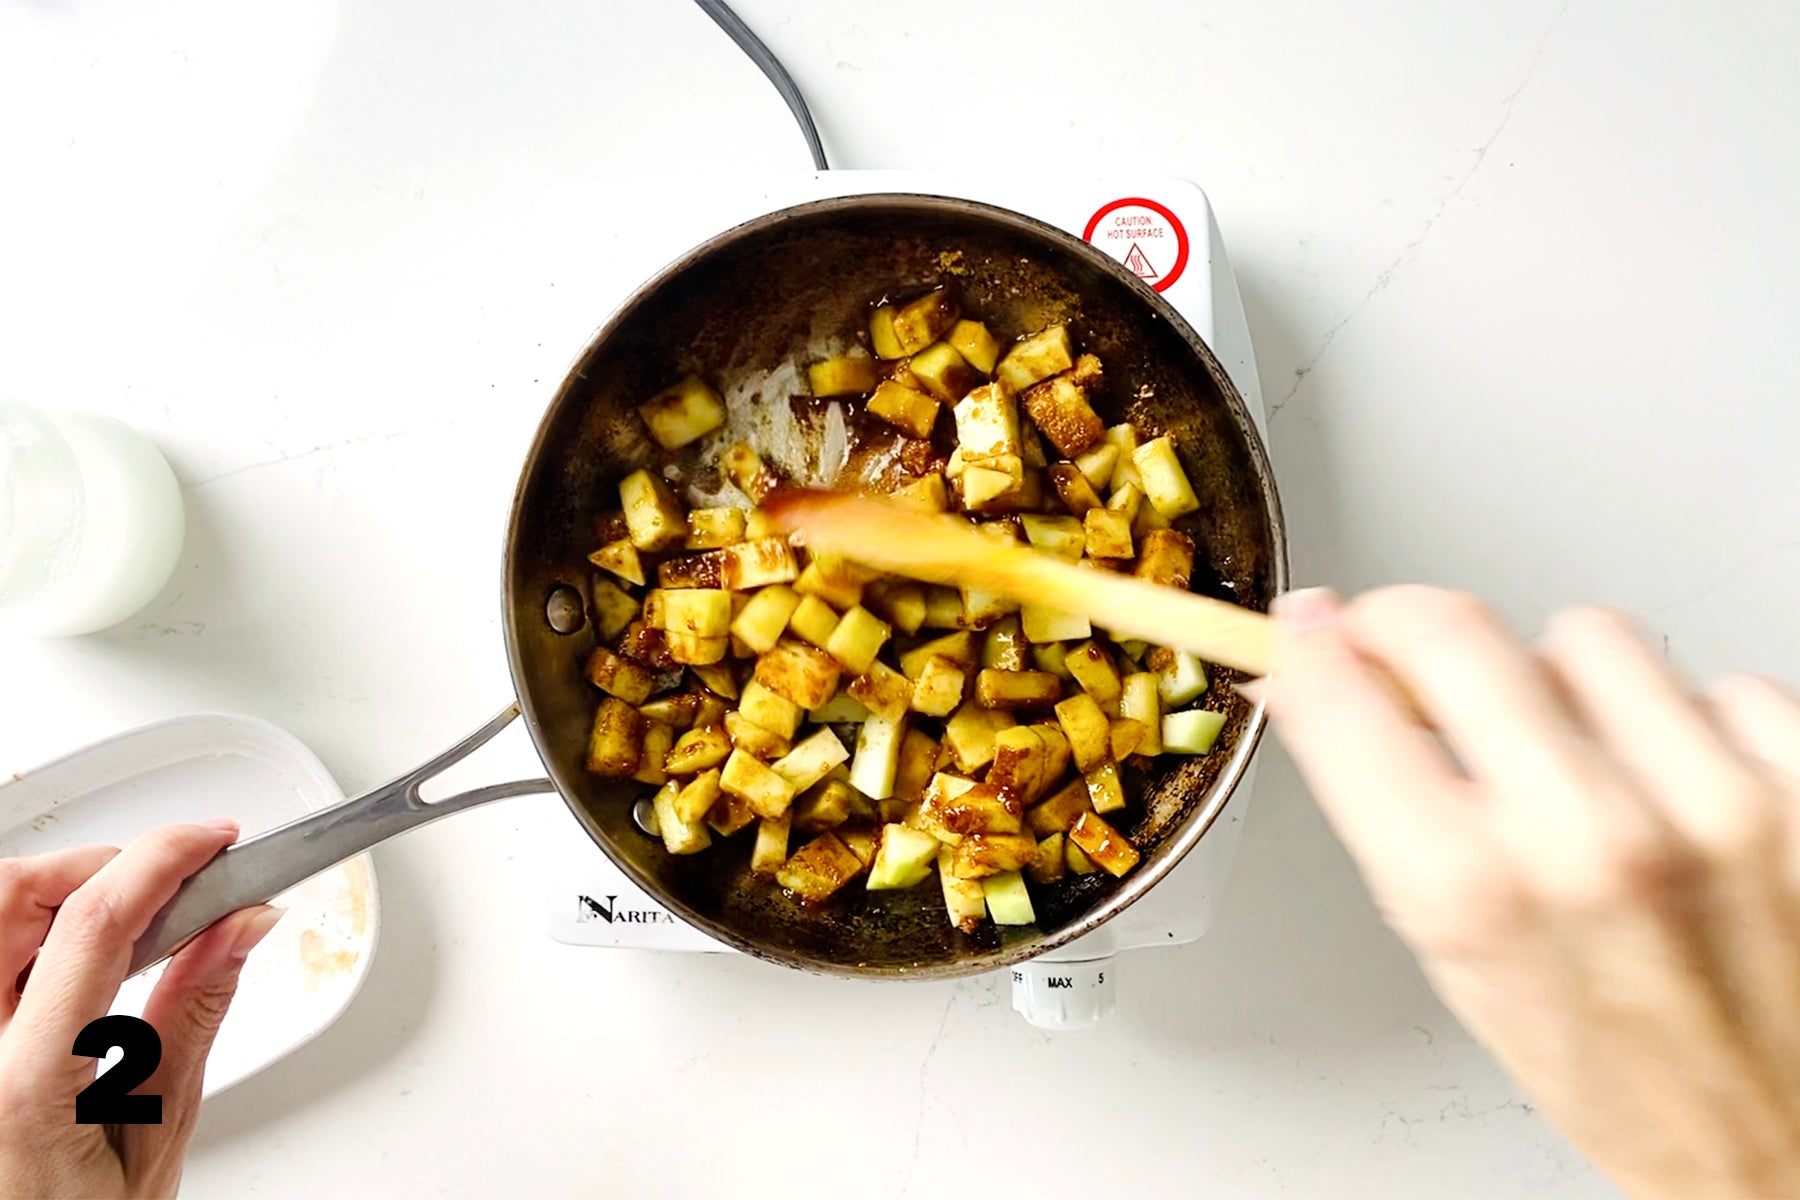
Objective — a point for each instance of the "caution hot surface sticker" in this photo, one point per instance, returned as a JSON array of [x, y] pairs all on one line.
[[1144, 235]]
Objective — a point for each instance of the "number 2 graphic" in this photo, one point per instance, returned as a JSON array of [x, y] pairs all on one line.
[[108, 1100]]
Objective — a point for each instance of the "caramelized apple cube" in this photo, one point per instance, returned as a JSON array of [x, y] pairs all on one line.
[[683, 413]]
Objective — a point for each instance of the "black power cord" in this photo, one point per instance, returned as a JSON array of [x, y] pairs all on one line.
[[752, 45]]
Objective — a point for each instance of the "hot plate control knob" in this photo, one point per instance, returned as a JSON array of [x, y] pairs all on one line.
[[1063, 995]]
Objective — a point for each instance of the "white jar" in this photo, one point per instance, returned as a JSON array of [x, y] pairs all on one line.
[[91, 521]]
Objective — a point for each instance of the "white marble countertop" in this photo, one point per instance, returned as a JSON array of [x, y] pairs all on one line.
[[1521, 279]]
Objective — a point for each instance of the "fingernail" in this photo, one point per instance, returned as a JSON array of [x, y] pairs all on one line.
[[255, 930], [222, 824], [1255, 691], [1307, 609]]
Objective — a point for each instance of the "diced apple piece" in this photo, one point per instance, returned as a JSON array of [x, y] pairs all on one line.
[[1054, 658], [1097, 463], [693, 571], [918, 323], [883, 691], [773, 712], [973, 341], [1061, 810], [747, 471], [824, 807], [1109, 848], [1108, 533], [907, 409], [877, 758], [1166, 557], [857, 638], [1182, 681], [804, 674], [1127, 736], [982, 608], [942, 372], [769, 854], [698, 749], [1088, 731], [813, 620], [881, 333], [981, 486], [837, 581], [811, 760], [617, 739], [751, 738], [1003, 647], [618, 676], [1019, 762], [924, 494], [693, 650], [959, 648], [1056, 751], [1139, 701], [701, 612], [765, 617], [676, 710], [819, 868], [657, 740], [1039, 356], [1076, 859], [729, 815], [1047, 865], [987, 426], [939, 688], [710, 711], [1106, 791], [842, 708], [650, 646], [614, 609], [1165, 484], [757, 784], [1095, 671], [1125, 439], [1017, 689], [684, 413], [697, 797], [1008, 901], [1074, 490], [954, 807], [842, 375], [1043, 624], [904, 859], [1061, 536], [652, 513], [964, 900], [1059, 407], [1126, 501], [943, 607], [714, 528], [859, 837], [679, 836], [621, 558], [903, 604], [757, 562], [982, 854], [1147, 519], [1192, 732], [970, 734], [918, 761], [717, 679]]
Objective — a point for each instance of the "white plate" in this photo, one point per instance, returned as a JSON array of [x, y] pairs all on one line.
[[191, 768]]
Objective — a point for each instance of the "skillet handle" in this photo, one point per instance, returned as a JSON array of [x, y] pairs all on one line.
[[258, 870]]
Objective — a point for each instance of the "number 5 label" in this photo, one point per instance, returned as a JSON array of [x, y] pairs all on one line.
[[108, 1100]]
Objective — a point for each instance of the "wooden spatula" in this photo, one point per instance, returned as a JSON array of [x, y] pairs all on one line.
[[942, 549]]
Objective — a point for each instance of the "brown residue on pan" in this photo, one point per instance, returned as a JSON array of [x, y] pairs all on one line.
[[356, 884], [318, 962]]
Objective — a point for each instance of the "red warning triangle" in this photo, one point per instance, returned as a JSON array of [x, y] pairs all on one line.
[[1138, 265]]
